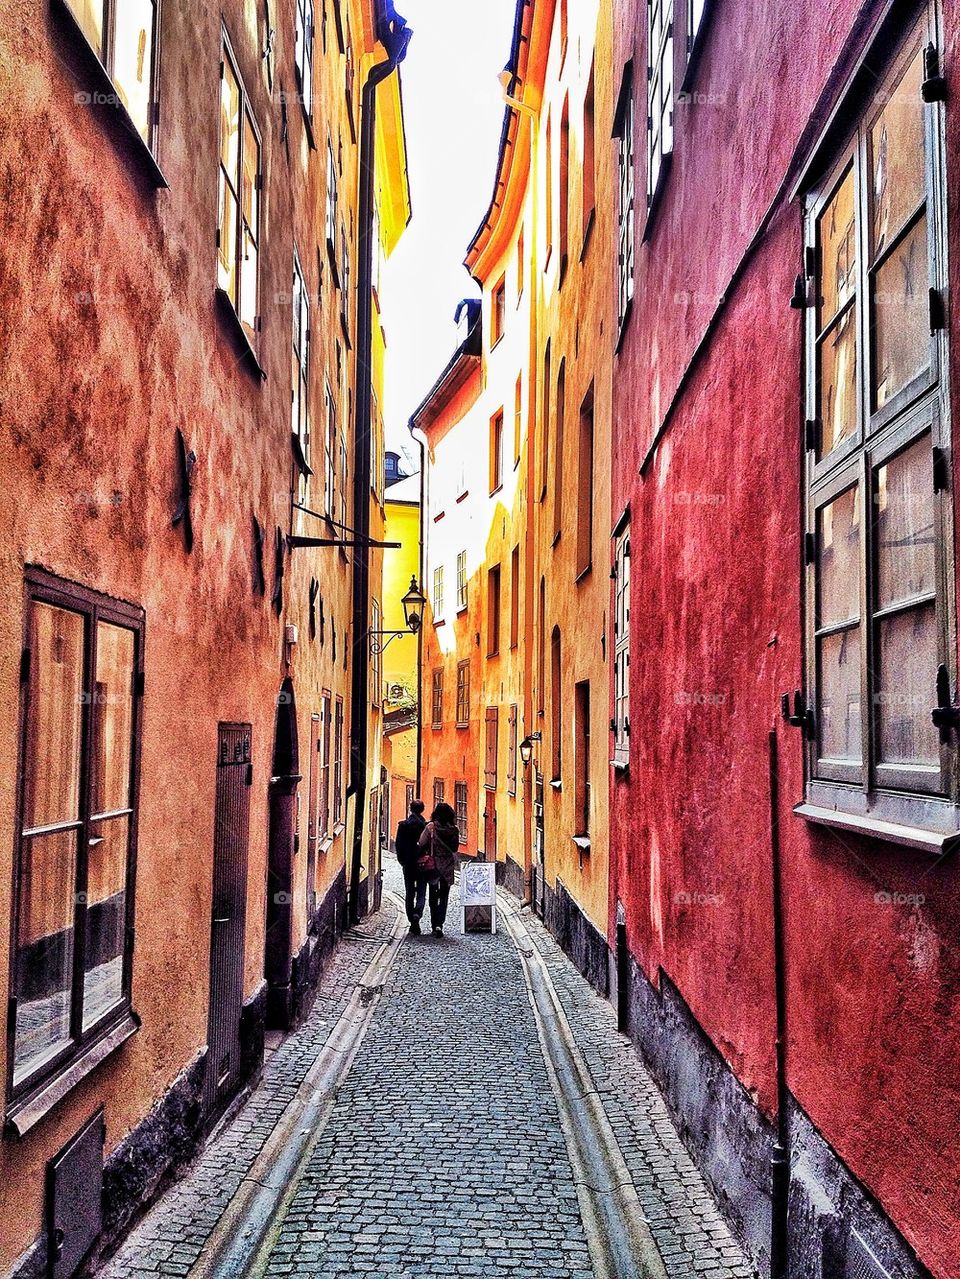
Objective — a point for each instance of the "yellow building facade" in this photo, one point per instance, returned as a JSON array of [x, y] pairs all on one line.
[[529, 533]]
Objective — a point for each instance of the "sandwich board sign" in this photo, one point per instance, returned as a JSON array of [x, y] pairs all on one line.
[[478, 887]]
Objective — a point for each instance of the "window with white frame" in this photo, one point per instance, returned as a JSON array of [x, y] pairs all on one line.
[[461, 580], [880, 635], [438, 593], [621, 648], [330, 456], [300, 373], [460, 804], [659, 93], [238, 228], [331, 219], [124, 38], [626, 186], [303, 53]]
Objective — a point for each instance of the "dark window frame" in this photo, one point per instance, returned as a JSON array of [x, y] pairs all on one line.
[[660, 66], [907, 804], [436, 705], [498, 311], [491, 747], [461, 801], [512, 734], [463, 693], [251, 335], [45, 588], [625, 132], [494, 609]]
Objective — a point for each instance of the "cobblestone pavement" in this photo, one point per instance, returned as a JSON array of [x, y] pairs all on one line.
[[443, 1154]]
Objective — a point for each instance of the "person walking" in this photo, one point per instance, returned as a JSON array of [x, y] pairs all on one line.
[[440, 840], [408, 851]]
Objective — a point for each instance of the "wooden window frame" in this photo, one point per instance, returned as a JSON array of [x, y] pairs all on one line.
[[515, 585], [436, 720], [625, 131], [338, 733], [461, 799], [494, 603], [582, 785], [512, 733], [910, 804], [437, 602], [589, 195], [463, 694], [496, 452], [237, 303], [565, 175], [498, 311], [491, 747], [585, 483], [556, 707], [462, 587], [303, 52], [55, 1076], [439, 790], [324, 750], [660, 70], [104, 63], [558, 443]]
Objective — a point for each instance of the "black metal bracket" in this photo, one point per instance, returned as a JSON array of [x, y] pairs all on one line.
[[945, 716], [367, 543], [800, 716], [934, 86]]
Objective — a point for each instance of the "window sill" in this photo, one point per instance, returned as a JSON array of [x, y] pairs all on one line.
[[338, 829], [620, 766], [624, 325], [440, 621], [497, 488], [461, 609], [463, 496], [307, 121], [926, 841], [23, 1115], [582, 842], [583, 574], [106, 90], [556, 784], [496, 342], [556, 539], [238, 333], [325, 845], [465, 724], [436, 727]]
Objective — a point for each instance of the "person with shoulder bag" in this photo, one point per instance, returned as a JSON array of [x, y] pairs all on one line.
[[439, 852], [408, 854]]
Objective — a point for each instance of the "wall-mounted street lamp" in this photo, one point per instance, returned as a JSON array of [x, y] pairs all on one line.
[[526, 747], [413, 603]]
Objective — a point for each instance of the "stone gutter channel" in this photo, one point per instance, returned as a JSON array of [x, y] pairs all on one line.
[[620, 1243]]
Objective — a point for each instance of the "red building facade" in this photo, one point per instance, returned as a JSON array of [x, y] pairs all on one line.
[[782, 517]]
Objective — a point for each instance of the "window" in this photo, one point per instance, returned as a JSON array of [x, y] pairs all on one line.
[[496, 451], [581, 797], [303, 53], [332, 219], [585, 488], [124, 38], [493, 611], [376, 666], [659, 94], [521, 255], [409, 796], [437, 707], [439, 787], [545, 421], [515, 597], [696, 12], [324, 746], [517, 420], [313, 806], [345, 294], [463, 694], [512, 752], [878, 544], [238, 230], [438, 593], [460, 804], [625, 130], [556, 707], [589, 156], [564, 186], [564, 28], [73, 894], [330, 457], [338, 767], [558, 452], [300, 373], [498, 312], [621, 648], [461, 581], [491, 736]]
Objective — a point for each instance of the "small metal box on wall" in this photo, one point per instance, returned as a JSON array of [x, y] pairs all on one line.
[[74, 1201]]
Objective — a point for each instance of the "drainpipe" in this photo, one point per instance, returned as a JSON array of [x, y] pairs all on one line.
[[422, 443], [394, 35], [780, 1156]]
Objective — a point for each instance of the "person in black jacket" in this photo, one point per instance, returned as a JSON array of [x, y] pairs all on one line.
[[441, 839], [407, 846]]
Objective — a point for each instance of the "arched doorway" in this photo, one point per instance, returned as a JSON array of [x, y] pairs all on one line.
[[284, 779]]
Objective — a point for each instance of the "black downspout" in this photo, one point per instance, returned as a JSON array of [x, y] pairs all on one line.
[[394, 35], [780, 1156]]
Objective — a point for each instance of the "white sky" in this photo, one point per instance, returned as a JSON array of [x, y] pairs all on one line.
[[453, 106]]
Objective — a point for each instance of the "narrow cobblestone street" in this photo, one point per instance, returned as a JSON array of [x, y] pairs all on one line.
[[443, 1152]]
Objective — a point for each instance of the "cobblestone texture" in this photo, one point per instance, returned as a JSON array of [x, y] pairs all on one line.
[[443, 1155], [171, 1237], [684, 1220]]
